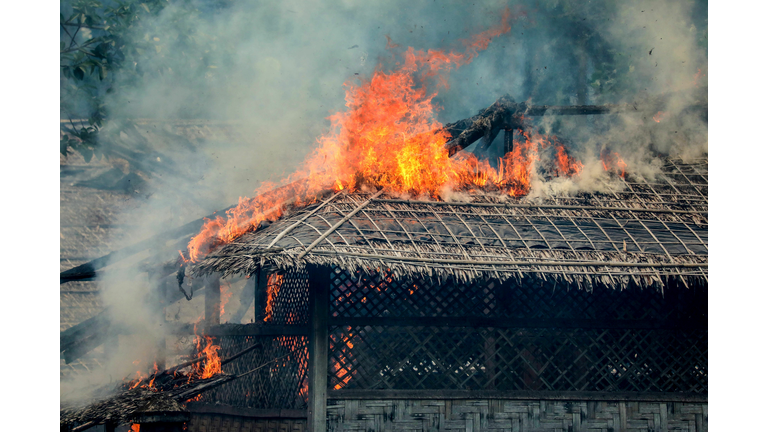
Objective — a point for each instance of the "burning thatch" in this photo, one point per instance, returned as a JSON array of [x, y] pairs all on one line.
[[643, 233], [118, 408]]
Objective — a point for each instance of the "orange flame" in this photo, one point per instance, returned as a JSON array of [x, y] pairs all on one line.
[[274, 282], [226, 294], [612, 162], [135, 427], [388, 137], [345, 345], [659, 116], [212, 365]]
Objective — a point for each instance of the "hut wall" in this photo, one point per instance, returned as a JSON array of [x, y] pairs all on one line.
[[353, 415], [282, 383], [211, 422]]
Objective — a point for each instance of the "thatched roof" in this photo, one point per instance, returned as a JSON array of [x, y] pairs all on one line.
[[643, 232]]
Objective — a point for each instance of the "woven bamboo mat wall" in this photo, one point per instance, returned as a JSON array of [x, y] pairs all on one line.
[[507, 415], [229, 423]]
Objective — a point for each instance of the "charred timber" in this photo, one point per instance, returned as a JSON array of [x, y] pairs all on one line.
[[507, 115]]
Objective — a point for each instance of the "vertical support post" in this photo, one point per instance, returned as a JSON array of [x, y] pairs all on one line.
[[508, 140], [260, 285], [319, 284], [246, 298], [212, 300]]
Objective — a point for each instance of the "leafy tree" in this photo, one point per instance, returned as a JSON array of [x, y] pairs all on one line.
[[107, 49]]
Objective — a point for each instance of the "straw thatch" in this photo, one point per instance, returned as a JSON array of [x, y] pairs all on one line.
[[642, 232]]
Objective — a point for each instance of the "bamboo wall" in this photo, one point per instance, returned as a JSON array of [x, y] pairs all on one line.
[[511, 415]]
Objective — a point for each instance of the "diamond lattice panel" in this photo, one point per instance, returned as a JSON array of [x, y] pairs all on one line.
[[518, 359]]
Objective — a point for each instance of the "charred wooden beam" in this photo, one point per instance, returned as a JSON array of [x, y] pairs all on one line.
[[503, 114], [76, 333], [253, 329], [506, 114], [605, 396], [84, 346], [570, 323]]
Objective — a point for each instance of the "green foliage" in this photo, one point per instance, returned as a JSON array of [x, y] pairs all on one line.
[[109, 48]]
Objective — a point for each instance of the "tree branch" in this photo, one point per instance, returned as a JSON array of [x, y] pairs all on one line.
[[83, 26], [72, 41]]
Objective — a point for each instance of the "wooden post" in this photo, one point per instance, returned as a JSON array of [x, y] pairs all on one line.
[[319, 281], [212, 300], [246, 298], [260, 295]]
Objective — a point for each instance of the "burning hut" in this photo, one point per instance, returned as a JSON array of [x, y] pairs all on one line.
[[483, 313], [488, 310]]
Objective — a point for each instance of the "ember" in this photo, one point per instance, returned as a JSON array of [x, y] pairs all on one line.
[[612, 162]]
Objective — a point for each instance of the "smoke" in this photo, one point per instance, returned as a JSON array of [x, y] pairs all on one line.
[[275, 72]]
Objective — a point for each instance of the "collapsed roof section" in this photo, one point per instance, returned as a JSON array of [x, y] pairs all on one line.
[[641, 234]]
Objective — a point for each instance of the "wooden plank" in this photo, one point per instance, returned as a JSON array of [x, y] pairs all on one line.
[[319, 284], [519, 395], [518, 322], [253, 329], [200, 407]]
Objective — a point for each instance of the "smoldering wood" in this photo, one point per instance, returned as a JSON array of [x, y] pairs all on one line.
[[119, 407], [505, 114]]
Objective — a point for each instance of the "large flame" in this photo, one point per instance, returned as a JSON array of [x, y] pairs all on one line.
[[274, 282], [388, 137]]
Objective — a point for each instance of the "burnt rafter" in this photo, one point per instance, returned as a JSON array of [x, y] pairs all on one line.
[[506, 114]]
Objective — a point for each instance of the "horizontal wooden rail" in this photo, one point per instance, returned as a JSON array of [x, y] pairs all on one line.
[[245, 330], [574, 323], [519, 395], [204, 408]]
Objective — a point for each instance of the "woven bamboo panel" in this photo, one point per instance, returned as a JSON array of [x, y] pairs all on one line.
[[381, 295], [282, 384], [516, 416], [659, 360], [290, 304], [228, 423]]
